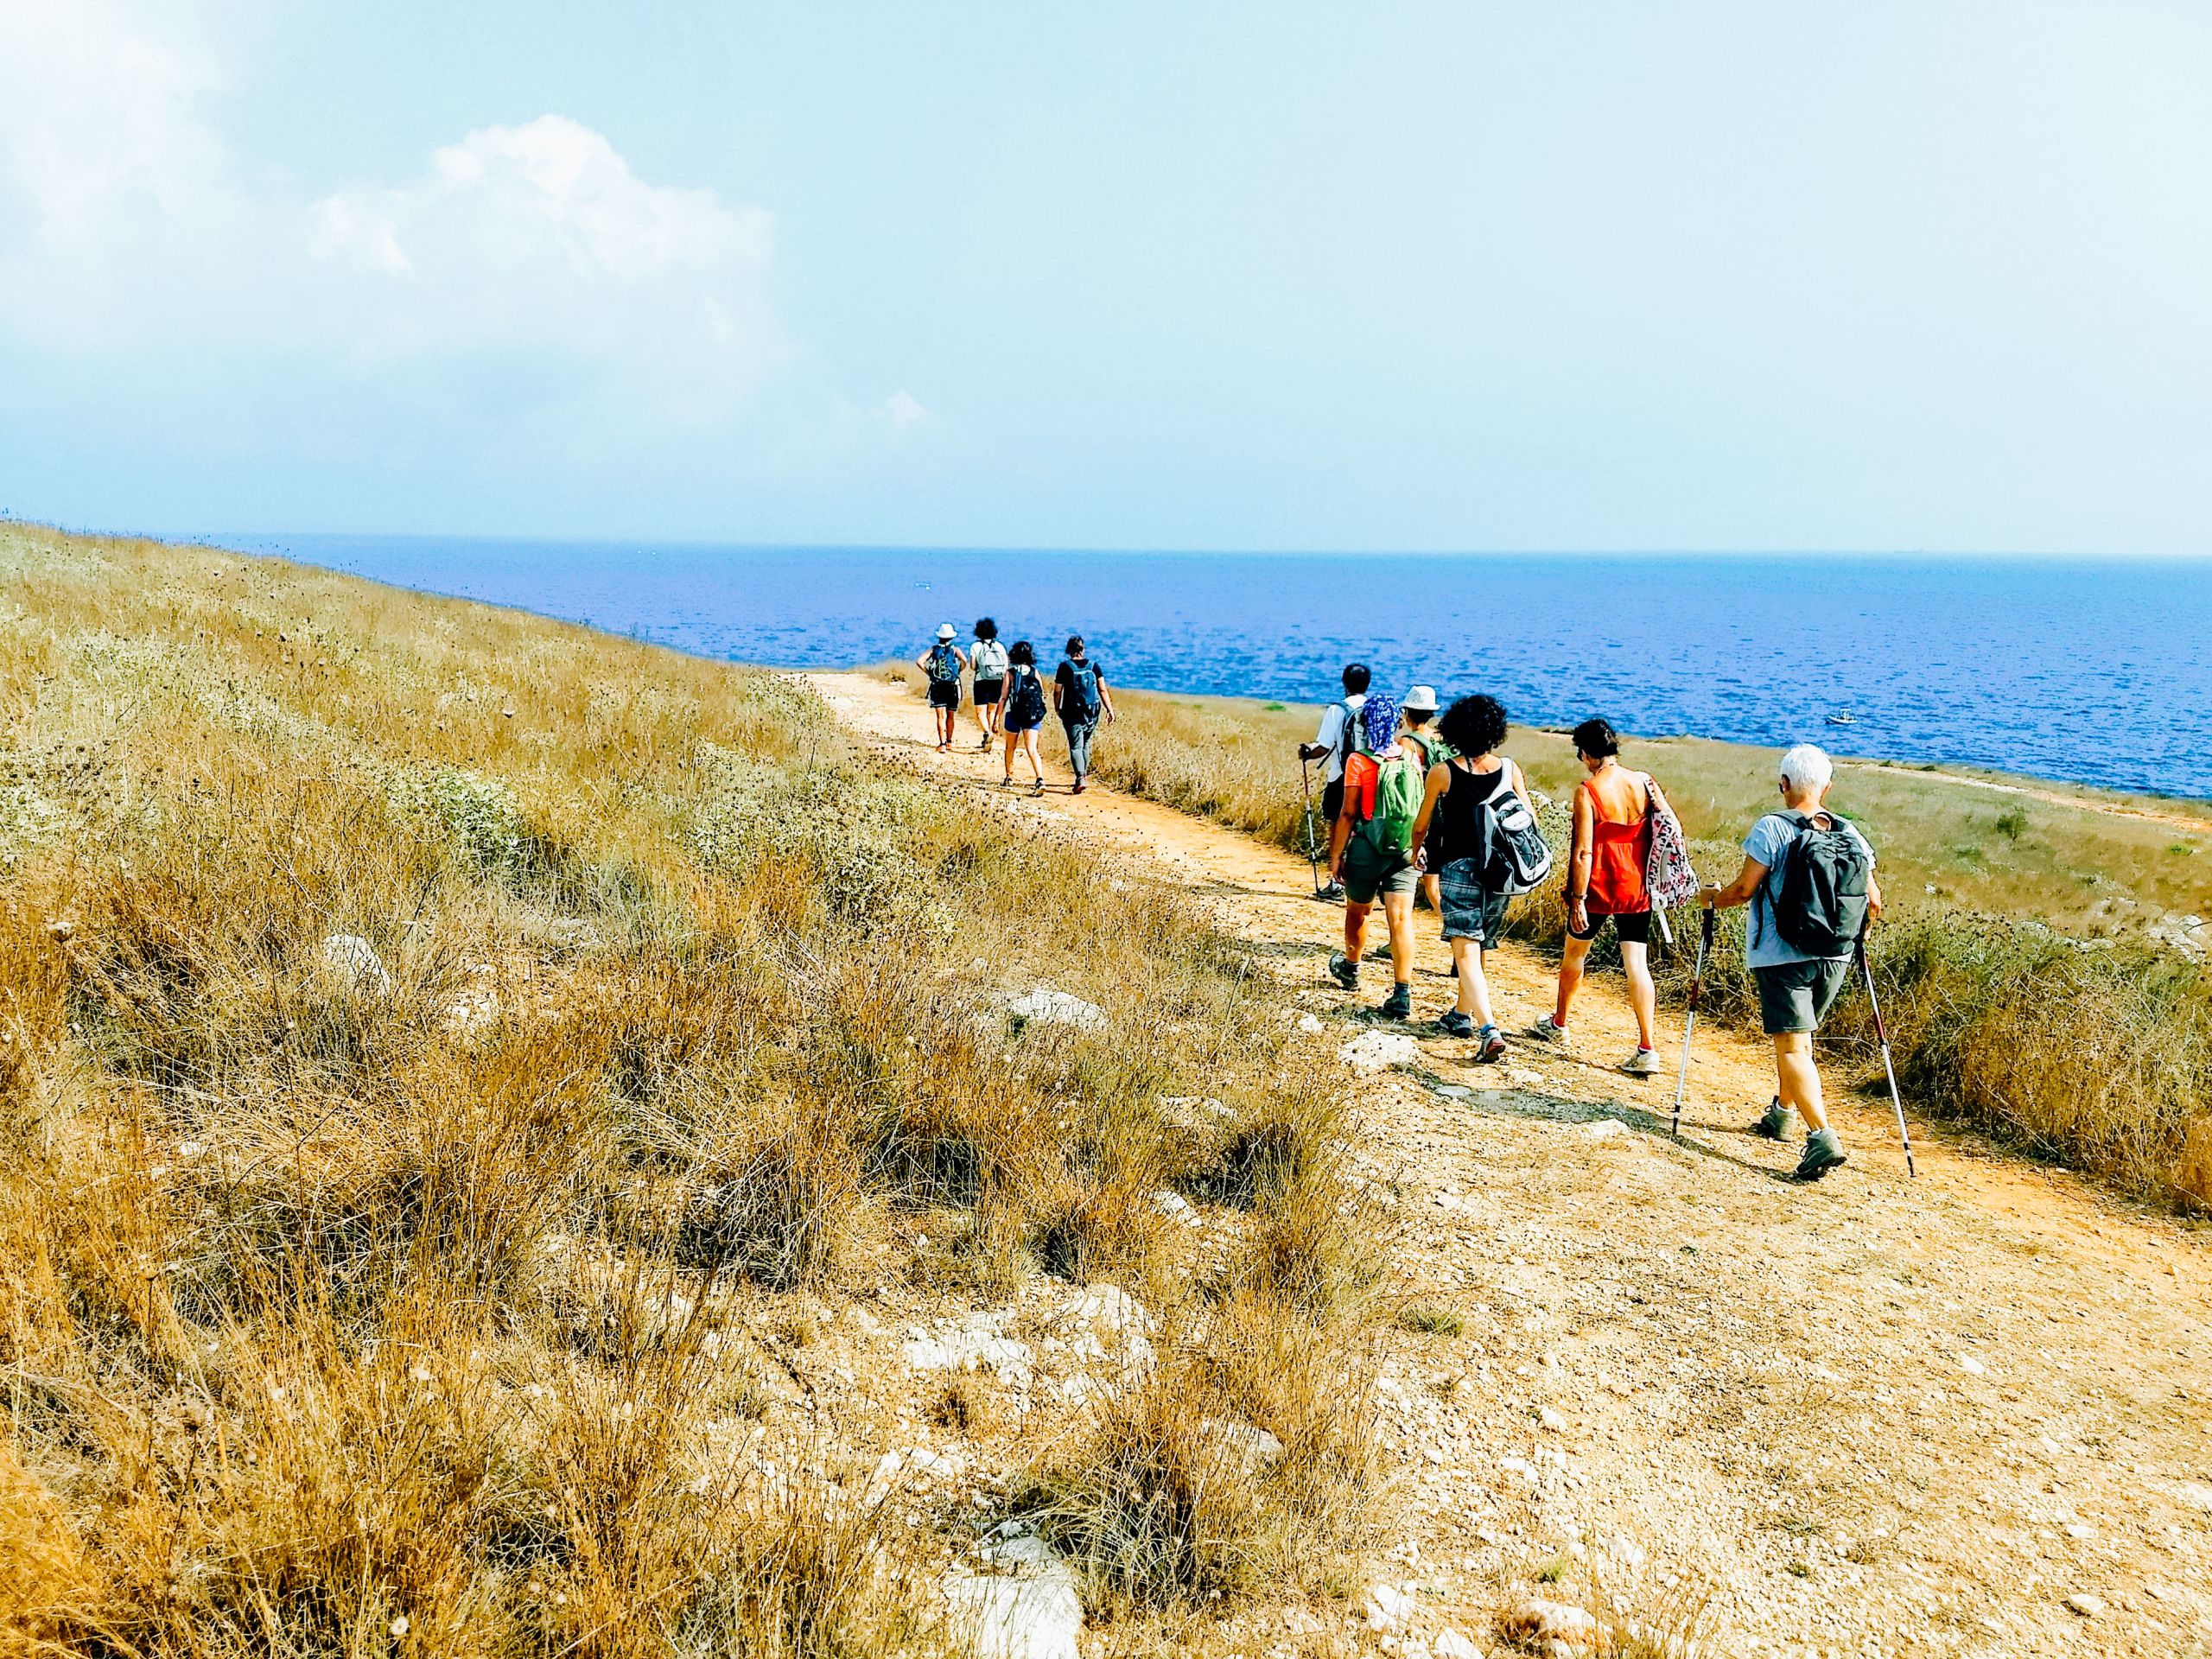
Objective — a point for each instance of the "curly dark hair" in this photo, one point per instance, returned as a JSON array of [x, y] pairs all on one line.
[[1596, 738], [1475, 726], [985, 629], [1022, 655]]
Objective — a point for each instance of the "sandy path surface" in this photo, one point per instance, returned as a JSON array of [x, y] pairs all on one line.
[[1867, 1416]]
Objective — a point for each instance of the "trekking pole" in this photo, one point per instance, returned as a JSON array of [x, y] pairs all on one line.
[[1690, 1021], [1313, 847], [1889, 1070]]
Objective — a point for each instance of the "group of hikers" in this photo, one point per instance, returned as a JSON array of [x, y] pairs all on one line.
[[1418, 802], [1414, 799], [1009, 697]]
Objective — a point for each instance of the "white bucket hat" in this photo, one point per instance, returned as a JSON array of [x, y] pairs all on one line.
[[945, 631], [1419, 700]]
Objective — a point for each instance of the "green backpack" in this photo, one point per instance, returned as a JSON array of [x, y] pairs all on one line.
[[1399, 785]]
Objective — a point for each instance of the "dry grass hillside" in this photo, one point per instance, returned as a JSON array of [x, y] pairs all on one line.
[[517, 1142], [2045, 969]]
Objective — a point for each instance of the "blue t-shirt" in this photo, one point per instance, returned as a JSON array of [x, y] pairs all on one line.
[[1763, 945]]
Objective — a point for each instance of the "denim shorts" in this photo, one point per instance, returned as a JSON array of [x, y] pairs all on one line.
[[1470, 911]]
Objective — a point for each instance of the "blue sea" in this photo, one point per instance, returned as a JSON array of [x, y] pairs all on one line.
[[2095, 672]]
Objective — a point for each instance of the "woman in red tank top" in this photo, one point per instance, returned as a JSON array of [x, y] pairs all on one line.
[[1605, 878]]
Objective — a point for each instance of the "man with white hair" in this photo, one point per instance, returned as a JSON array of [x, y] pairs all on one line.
[[1808, 877]]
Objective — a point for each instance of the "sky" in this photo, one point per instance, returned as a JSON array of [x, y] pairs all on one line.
[[1565, 274]]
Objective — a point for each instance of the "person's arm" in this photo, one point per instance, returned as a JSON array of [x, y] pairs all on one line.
[[962, 654], [1440, 779], [922, 662], [1580, 855], [1340, 831], [1324, 739], [1738, 892], [1105, 698]]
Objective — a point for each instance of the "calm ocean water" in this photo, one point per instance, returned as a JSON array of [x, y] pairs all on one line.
[[2094, 673]]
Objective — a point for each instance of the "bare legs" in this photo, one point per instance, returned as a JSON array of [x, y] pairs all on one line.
[[1635, 962], [1024, 744], [1799, 1079], [987, 716], [1474, 984]]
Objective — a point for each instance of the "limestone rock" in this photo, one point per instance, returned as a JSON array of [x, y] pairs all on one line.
[[354, 961], [1374, 1051]]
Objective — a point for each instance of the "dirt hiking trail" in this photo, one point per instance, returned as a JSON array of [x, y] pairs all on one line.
[[1964, 1415]]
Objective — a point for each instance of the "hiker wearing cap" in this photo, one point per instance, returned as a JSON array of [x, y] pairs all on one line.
[[1808, 877], [1417, 711], [1333, 745], [1459, 829], [1079, 697], [1606, 862], [986, 657], [1024, 712], [942, 663], [1371, 852]]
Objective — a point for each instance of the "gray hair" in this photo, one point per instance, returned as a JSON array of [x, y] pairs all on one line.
[[1806, 769]]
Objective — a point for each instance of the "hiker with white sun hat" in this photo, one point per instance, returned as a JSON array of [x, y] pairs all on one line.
[[944, 663]]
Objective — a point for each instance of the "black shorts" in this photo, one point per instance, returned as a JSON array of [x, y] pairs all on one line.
[[1635, 928], [988, 692], [944, 694], [1332, 802]]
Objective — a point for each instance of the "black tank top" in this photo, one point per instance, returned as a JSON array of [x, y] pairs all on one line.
[[1458, 834]]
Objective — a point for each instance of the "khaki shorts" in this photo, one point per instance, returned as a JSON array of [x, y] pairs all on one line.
[[1368, 873], [1798, 995]]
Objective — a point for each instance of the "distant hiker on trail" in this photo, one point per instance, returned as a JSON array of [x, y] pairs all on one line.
[[1371, 851], [987, 658], [1080, 697], [1024, 712], [943, 662], [1418, 710], [1808, 877], [1333, 745], [1606, 859], [1478, 829]]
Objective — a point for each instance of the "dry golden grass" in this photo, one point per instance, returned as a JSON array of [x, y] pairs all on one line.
[[376, 1309], [2023, 993]]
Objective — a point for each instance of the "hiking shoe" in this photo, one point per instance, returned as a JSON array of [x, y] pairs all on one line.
[[1822, 1155], [1345, 973], [1490, 1046], [1399, 1004], [1645, 1063], [984, 747], [1775, 1124], [1333, 893], [1546, 1031], [1456, 1024], [1078, 789]]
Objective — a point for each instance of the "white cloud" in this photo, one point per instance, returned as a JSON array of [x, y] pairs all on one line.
[[526, 267], [904, 409]]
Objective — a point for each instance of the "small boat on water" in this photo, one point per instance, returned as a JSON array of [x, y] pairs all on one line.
[[1843, 717]]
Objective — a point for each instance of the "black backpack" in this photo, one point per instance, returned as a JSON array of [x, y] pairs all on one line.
[[1823, 909], [1025, 703]]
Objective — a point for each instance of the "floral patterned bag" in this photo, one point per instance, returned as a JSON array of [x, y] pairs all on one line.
[[1667, 872]]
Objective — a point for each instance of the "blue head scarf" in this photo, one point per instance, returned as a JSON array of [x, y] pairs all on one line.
[[1379, 721]]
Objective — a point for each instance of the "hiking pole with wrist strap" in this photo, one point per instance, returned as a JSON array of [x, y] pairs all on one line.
[[1312, 849], [1690, 1021], [1890, 1071]]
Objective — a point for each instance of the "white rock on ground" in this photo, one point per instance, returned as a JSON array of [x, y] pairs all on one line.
[[1250, 1445], [1604, 1127], [1032, 1612], [2086, 1605], [1047, 1007], [1176, 1207], [977, 1343], [1386, 1608], [1310, 1023], [1450, 1644], [1374, 1051], [354, 960]]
